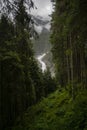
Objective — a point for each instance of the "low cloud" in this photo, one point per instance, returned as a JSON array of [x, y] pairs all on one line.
[[44, 8]]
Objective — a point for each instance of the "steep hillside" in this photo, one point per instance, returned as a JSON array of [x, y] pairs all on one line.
[[42, 27], [42, 44], [48, 59], [57, 112]]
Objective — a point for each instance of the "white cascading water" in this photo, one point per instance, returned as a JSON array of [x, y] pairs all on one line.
[[40, 59]]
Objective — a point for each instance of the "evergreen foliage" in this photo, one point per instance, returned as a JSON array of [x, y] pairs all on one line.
[[69, 41], [21, 80], [57, 112], [23, 85]]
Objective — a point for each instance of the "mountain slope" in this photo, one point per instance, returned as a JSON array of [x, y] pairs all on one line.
[[57, 112], [42, 44], [38, 20]]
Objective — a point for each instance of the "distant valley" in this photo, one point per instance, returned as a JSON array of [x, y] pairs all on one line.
[[42, 44]]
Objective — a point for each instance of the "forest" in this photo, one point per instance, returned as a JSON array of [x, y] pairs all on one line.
[[29, 98]]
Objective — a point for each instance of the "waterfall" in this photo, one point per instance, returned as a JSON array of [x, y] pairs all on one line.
[[40, 59]]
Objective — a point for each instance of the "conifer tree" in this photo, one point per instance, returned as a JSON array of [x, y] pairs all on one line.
[[69, 43]]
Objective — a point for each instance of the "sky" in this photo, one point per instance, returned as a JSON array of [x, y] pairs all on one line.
[[44, 8]]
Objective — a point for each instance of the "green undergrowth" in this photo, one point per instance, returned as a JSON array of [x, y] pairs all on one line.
[[57, 112]]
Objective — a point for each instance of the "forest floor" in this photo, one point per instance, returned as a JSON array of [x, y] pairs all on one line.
[[57, 112]]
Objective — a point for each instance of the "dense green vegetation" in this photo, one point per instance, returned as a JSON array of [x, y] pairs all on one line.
[[57, 112], [69, 40], [23, 86], [22, 83]]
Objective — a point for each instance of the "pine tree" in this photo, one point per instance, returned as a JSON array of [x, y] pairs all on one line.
[[69, 43]]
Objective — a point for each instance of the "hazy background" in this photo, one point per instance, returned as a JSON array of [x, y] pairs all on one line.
[[44, 8]]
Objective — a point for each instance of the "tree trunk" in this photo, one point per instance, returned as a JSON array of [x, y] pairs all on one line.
[[71, 64]]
